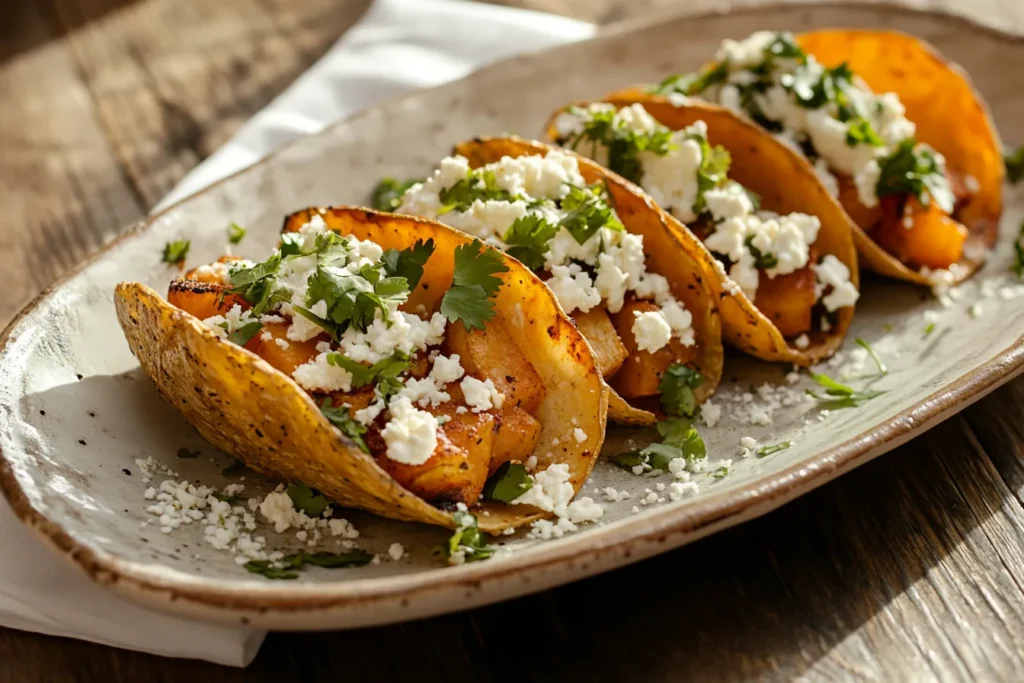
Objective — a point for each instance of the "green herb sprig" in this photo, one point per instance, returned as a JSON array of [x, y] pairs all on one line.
[[287, 567], [474, 284]]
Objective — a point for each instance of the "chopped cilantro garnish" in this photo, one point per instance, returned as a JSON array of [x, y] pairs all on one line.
[[721, 472], [785, 47], [507, 483], [307, 500], [1014, 160], [714, 167], [340, 418], [233, 499], [243, 334], [286, 567], [882, 369], [387, 195], [860, 131], [1018, 253], [408, 263], [773, 449], [258, 284], [623, 143], [680, 439], [352, 299], [914, 169], [291, 244], [676, 389], [185, 454], [467, 543], [176, 251], [528, 238], [761, 260], [838, 395], [383, 374], [587, 211], [928, 329], [693, 83], [477, 185], [474, 284], [830, 87], [236, 233]]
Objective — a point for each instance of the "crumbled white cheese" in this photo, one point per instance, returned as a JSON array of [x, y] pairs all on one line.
[[833, 273], [396, 551], [579, 435], [410, 434], [651, 330], [224, 325], [711, 413], [319, 375], [802, 342], [481, 395]]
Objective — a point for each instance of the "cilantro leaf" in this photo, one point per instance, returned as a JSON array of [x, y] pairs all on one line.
[[287, 566], [680, 439], [467, 543], [761, 260], [928, 329], [587, 211], [339, 417], [352, 299], [624, 144], [477, 185], [693, 83], [507, 483], [914, 169], [384, 374], [387, 195], [676, 389], [236, 233], [258, 284], [474, 283], [772, 450], [882, 369], [291, 244], [307, 500], [1014, 160], [713, 171], [528, 238], [243, 334], [681, 434], [860, 131], [176, 251], [721, 473], [838, 395], [408, 263]]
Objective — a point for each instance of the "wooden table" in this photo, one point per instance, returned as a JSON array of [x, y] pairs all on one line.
[[911, 567]]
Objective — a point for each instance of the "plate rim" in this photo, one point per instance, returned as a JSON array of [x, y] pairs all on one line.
[[254, 602]]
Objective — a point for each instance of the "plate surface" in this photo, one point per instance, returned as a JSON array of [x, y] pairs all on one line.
[[76, 412]]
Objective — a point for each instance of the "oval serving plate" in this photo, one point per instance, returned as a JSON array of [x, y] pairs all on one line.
[[76, 412]]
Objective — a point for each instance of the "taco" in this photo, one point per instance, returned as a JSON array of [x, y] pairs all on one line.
[[635, 288], [757, 205], [899, 135], [388, 362]]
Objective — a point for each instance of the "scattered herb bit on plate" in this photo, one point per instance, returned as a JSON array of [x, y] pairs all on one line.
[[467, 542], [773, 449], [176, 251], [507, 483], [307, 500], [838, 395], [236, 233], [882, 368], [287, 566]]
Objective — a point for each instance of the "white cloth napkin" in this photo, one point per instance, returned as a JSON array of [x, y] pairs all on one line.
[[398, 45]]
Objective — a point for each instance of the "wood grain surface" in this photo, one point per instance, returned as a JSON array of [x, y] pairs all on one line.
[[910, 568]]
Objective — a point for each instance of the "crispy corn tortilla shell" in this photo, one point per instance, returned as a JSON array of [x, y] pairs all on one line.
[[950, 115], [248, 409], [674, 254], [787, 184]]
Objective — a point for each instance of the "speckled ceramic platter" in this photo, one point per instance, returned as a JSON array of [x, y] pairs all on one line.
[[76, 412]]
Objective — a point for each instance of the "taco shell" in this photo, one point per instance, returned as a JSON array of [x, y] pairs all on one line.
[[786, 183], [250, 410], [950, 116], [676, 255]]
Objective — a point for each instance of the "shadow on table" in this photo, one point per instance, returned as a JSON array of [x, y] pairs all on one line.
[[819, 586]]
